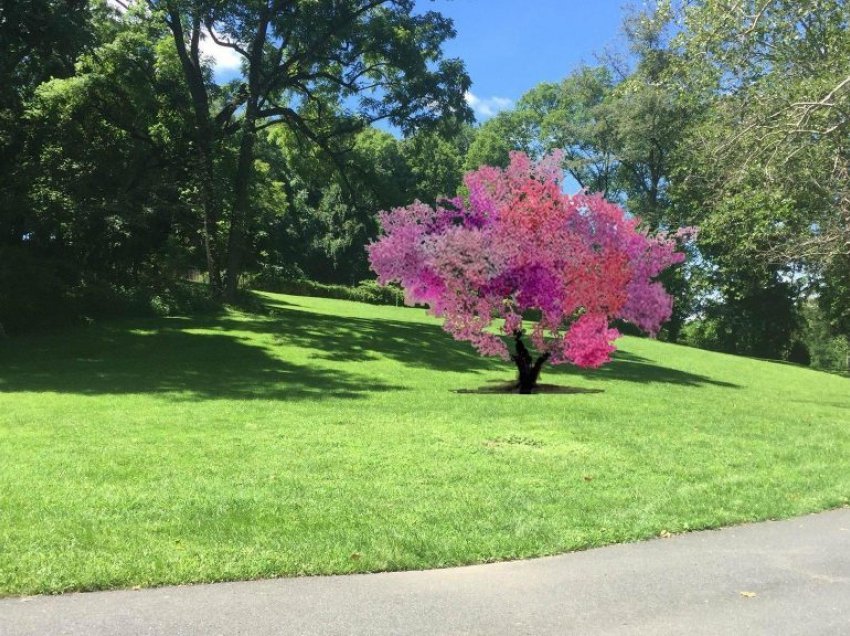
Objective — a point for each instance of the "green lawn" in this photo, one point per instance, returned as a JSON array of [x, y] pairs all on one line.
[[327, 437]]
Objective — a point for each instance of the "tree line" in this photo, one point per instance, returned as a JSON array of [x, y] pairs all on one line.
[[733, 117], [127, 163]]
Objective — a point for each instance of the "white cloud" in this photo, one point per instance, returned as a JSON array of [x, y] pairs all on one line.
[[485, 107], [224, 58]]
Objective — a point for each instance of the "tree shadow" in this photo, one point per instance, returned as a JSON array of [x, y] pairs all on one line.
[[146, 357], [627, 368], [350, 339], [510, 388], [171, 356], [425, 345]]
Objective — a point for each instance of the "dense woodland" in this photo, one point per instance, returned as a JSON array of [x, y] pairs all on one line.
[[128, 169]]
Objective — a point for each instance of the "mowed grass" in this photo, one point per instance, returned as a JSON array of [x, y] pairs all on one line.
[[327, 437]]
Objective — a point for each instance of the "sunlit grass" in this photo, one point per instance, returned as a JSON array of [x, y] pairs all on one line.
[[327, 436]]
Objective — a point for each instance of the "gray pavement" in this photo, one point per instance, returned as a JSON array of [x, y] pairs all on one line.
[[782, 577]]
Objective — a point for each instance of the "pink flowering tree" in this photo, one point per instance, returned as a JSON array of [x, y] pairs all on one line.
[[516, 243]]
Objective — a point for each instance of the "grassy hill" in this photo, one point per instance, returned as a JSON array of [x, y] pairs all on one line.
[[328, 436]]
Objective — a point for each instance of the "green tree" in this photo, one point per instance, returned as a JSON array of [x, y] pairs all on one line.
[[494, 140], [323, 69], [773, 80], [435, 160], [41, 40]]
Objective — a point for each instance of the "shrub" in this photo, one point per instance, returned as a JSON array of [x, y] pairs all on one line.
[[34, 292], [367, 291]]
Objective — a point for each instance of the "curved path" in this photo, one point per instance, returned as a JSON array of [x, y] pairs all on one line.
[[781, 577]]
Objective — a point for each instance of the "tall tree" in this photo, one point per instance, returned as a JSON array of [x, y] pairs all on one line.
[[41, 40], [323, 69], [572, 116], [435, 159], [775, 81]]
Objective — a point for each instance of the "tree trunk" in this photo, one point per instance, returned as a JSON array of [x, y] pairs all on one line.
[[210, 227], [528, 370], [241, 205], [204, 135], [239, 221]]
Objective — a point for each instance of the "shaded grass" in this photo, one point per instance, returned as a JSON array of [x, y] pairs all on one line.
[[326, 436]]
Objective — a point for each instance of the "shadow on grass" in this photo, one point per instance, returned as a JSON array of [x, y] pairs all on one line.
[[625, 370], [170, 356], [149, 358], [510, 388], [427, 345], [350, 339]]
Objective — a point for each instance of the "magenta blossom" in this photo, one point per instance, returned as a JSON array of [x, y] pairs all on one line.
[[516, 243]]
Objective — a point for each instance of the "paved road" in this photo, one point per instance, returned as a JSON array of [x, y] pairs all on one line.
[[785, 577]]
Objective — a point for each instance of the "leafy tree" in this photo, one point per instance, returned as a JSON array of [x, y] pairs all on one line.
[[95, 197], [773, 81], [833, 294], [826, 349], [495, 139], [41, 40], [576, 117], [748, 313], [435, 160], [649, 113], [329, 214], [322, 69], [518, 244], [109, 141]]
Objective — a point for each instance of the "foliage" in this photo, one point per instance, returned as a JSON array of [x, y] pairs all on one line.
[[41, 40], [323, 70], [766, 162], [774, 76], [46, 293], [833, 294], [519, 244], [329, 214], [126, 163], [752, 318], [108, 181], [368, 291], [827, 348], [33, 293], [496, 138]]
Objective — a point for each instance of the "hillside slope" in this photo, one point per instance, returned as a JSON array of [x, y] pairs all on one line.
[[330, 436]]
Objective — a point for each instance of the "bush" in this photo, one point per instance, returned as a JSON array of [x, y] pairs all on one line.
[[828, 350], [367, 291], [39, 293], [34, 292]]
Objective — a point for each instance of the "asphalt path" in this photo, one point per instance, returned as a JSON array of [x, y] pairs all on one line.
[[777, 577]]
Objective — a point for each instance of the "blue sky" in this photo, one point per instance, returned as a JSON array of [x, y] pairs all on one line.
[[509, 46]]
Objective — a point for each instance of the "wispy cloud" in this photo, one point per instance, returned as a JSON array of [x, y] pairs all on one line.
[[485, 107], [224, 58]]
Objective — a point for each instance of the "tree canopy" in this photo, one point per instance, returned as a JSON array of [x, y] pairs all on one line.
[[129, 164]]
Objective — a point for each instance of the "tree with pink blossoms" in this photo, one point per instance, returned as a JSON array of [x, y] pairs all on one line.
[[515, 243]]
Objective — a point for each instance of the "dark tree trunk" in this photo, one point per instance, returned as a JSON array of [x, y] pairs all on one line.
[[241, 207], [204, 136], [210, 211], [241, 214], [528, 369]]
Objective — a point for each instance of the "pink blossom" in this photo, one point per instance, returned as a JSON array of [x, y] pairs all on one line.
[[516, 243], [588, 342]]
